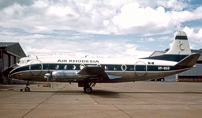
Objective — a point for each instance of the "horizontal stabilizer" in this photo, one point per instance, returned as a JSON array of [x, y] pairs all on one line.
[[189, 61]]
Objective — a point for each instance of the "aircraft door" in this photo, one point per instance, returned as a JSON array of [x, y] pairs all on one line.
[[36, 67], [140, 68]]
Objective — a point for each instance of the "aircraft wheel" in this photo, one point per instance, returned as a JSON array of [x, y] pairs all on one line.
[[27, 89], [87, 89]]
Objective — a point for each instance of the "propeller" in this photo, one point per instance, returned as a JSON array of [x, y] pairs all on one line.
[[47, 76]]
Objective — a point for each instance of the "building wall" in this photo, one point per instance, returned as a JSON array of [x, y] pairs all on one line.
[[5, 61], [8, 56], [1, 69], [1, 64], [196, 71]]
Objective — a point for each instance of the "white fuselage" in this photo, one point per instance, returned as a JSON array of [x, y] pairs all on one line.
[[122, 69]]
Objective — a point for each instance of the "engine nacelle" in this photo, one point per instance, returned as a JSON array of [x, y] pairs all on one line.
[[64, 75]]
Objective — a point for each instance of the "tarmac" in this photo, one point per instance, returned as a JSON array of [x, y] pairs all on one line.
[[111, 100]]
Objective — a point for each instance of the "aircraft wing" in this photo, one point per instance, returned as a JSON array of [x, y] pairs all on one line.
[[96, 71]]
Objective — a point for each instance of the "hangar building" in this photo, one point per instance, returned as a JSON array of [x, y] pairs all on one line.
[[10, 53]]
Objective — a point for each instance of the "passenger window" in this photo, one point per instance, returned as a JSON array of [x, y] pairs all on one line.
[[74, 67], [106, 68], [35, 66], [82, 66], [57, 67], [115, 67], [65, 67]]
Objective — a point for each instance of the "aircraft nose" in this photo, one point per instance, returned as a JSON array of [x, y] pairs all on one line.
[[8, 70]]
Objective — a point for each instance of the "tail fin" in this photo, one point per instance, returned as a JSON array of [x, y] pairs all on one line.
[[179, 50], [180, 45]]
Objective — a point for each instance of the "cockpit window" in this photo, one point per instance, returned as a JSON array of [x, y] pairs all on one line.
[[25, 60], [20, 61]]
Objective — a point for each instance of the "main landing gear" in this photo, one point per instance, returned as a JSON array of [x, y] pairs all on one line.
[[27, 89], [87, 87]]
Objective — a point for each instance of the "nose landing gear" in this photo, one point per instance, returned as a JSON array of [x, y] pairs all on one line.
[[26, 89]]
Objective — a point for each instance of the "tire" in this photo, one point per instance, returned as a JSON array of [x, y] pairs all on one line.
[[87, 89], [27, 89]]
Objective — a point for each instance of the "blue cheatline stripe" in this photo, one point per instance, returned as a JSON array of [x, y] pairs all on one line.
[[23, 68], [168, 57], [106, 67], [181, 38]]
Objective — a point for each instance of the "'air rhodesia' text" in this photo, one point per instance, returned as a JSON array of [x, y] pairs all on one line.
[[79, 61]]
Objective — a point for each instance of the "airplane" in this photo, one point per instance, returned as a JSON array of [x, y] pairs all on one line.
[[89, 71]]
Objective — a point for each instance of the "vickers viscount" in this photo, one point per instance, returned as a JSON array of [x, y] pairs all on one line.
[[89, 71]]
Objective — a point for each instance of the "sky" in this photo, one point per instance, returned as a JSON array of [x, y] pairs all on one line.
[[99, 28]]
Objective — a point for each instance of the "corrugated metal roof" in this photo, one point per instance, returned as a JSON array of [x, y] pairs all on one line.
[[12, 48], [196, 51], [157, 53], [6, 44]]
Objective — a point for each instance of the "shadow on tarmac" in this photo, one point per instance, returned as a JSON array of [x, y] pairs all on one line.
[[100, 93], [110, 94], [106, 94]]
